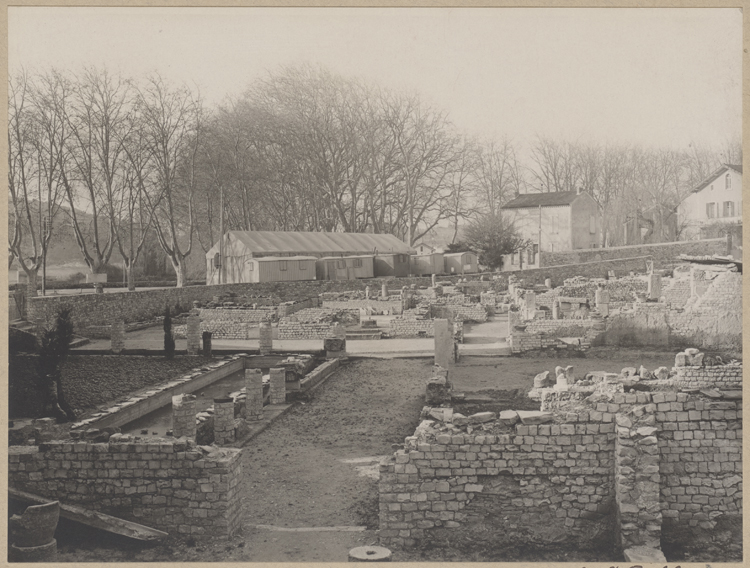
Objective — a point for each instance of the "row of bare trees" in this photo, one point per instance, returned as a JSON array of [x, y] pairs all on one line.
[[125, 161], [112, 159]]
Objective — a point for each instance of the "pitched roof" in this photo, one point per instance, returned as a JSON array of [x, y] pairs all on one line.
[[550, 199], [716, 174], [306, 242]]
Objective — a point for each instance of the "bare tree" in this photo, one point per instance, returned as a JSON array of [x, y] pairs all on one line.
[[36, 135], [172, 128], [96, 116]]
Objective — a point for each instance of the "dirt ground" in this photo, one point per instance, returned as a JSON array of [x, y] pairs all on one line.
[[315, 467]]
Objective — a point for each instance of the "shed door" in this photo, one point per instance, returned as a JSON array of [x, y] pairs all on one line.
[[330, 270]]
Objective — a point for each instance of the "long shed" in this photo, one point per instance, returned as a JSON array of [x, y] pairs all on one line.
[[345, 267], [238, 246]]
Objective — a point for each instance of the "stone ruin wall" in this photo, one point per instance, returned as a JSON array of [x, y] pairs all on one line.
[[413, 327], [678, 459], [315, 323], [711, 316], [172, 485], [377, 306]]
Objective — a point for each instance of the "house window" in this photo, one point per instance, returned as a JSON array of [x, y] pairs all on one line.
[[592, 224], [340, 264], [728, 181], [728, 209], [712, 187], [251, 266], [282, 264], [710, 210], [302, 265], [357, 263], [514, 258]]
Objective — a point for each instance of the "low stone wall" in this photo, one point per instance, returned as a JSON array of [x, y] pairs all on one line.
[[663, 253], [378, 306], [722, 377], [412, 327], [168, 484], [546, 333], [462, 313], [291, 329]]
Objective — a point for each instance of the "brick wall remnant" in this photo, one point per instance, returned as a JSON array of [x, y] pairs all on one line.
[[253, 394], [224, 426], [637, 479], [183, 416], [171, 485], [278, 385]]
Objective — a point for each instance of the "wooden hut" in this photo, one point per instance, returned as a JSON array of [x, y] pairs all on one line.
[[391, 264], [461, 263], [427, 264], [345, 267]]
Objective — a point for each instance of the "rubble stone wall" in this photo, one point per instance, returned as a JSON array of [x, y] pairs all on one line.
[[171, 485]]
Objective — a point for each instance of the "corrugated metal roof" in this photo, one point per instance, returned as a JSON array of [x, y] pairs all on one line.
[[551, 199], [270, 242], [346, 256], [271, 258]]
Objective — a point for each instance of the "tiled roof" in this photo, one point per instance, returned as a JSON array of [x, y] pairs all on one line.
[[710, 179]]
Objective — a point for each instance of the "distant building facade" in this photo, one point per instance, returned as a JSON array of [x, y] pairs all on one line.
[[716, 202], [556, 221]]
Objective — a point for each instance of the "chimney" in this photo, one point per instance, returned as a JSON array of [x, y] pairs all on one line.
[[578, 191]]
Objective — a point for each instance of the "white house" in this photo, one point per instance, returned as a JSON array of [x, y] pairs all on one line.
[[717, 200]]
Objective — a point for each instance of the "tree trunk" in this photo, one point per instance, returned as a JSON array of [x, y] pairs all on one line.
[[33, 284], [130, 272], [180, 270]]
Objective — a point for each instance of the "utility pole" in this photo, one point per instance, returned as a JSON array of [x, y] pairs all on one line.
[[45, 230], [221, 236], [539, 238]]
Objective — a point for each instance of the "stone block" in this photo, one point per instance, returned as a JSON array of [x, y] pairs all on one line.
[[644, 555], [438, 391]]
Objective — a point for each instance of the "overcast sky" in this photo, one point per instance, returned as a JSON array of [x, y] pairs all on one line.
[[657, 77]]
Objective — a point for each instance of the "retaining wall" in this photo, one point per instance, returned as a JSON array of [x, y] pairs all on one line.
[[171, 485], [663, 254], [141, 305]]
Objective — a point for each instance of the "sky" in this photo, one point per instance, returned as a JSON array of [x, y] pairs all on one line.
[[654, 77]]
